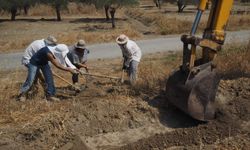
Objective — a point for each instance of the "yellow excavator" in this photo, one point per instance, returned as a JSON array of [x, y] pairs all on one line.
[[193, 87]]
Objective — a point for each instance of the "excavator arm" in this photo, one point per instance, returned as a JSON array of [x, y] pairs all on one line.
[[193, 87]]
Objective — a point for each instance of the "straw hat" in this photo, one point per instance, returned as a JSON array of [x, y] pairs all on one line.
[[51, 40], [80, 44], [122, 39]]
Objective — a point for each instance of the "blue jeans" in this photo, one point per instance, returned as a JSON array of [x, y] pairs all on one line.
[[32, 75]]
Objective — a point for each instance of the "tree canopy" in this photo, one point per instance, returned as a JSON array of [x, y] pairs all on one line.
[[13, 6], [110, 5]]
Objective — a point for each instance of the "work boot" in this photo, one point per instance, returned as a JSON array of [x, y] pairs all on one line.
[[21, 97], [77, 87], [52, 99]]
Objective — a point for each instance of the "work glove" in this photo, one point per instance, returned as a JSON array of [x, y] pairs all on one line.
[[124, 66], [87, 69], [74, 71]]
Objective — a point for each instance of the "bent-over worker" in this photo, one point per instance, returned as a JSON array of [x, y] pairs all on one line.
[[39, 61], [131, 54], [34, 47]]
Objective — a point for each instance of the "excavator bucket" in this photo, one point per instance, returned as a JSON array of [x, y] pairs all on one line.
[[194, 91]]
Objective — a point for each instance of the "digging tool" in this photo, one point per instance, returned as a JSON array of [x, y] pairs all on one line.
[[193, 87], [122, 77], [100, 76], [76, 88]]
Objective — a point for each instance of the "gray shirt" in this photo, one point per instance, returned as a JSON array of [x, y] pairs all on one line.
[[76, 57]]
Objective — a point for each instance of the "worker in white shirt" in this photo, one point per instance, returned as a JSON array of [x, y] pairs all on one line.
[[34, 47], [40, 61], [132, 56]]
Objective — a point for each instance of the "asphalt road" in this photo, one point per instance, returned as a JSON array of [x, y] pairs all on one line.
[[12, 61]]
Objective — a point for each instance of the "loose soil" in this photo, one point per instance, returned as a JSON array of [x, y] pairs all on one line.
[[230, 129], [110, 115]]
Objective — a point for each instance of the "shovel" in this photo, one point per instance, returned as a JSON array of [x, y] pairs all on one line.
[[122, 77], [98, 75], [59, 77]]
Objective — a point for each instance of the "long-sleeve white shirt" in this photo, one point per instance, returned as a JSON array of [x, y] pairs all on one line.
[[31, 50], [131, 51]]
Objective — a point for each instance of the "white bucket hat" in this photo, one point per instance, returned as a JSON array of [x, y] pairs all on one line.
[[122, 39], [60, 52], [80, 44], [51, 40], [61, 49]]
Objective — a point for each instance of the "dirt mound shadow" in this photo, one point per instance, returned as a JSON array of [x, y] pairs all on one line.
[[230, 126]]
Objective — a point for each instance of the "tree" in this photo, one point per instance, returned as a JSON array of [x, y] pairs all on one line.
[[58, 5], [181, 5], [110, 6], [27, 4], [158, 3], [11, 6]]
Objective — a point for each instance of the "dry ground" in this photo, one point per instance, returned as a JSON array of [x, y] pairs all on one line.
[[108, 115], [85, 22]]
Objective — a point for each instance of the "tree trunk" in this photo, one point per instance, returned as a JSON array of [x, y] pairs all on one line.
[[180, 5], [156, 4], [159, 4], [112, 13], [13, 13], [58, 13], [106, 7], [26, 9]]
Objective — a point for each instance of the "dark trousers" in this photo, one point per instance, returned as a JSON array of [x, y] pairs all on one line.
[[75, 77]]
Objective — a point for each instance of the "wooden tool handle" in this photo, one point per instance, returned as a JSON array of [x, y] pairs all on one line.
[[97, 75], [64, 80]]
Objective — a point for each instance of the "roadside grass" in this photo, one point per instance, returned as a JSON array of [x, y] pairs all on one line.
[[20, 35], [165, 23], [238, 21], [234, 61], [153, 72], [73, 9]]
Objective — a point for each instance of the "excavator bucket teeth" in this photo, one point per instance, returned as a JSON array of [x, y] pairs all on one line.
[[194, 92]]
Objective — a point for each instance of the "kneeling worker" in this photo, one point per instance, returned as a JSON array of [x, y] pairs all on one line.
[[131, 54]]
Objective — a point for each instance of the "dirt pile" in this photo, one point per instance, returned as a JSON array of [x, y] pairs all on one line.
[[230, 128]]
